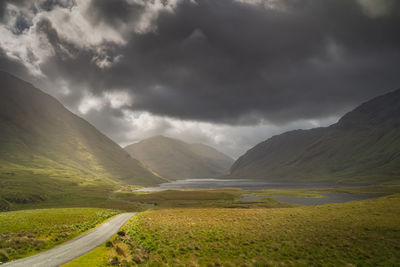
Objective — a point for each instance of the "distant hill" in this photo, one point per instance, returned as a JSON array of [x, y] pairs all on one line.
[[174, 159], [43, 144], [364, 146]]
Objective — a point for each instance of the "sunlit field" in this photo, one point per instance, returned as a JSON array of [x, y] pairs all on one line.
[[23, 233], [30, 190], [354, 233]]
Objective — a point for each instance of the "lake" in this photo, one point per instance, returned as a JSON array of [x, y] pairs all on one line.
[[248, 184]]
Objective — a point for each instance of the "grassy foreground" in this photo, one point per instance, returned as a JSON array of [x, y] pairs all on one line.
[[354, 233], [23, 233]]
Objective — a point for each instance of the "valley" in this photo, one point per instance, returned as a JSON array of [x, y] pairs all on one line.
[[323, 196], [199, 133]]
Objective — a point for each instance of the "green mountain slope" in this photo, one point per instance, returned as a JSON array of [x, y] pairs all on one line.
[[174, 159], [41, 140], [364, 146]]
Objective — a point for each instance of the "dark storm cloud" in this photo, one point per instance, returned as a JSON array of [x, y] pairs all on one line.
[[114, 12], [3, 5], [49, 5], [234, 62], [222, 60], [23, 20], [62, 48]]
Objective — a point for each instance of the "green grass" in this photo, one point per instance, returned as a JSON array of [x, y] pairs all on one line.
[[361, 233], [27, 189], [96, 257], [44, 183], [24, 233], [288, 192], [378, 190]]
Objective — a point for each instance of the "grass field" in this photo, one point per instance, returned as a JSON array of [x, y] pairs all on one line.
[[363, 233], [23, 233]]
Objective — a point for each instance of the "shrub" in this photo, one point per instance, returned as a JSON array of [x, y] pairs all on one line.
[[3, 256], [121, 233]]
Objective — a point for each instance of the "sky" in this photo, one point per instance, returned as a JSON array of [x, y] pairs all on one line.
[[227, 73]]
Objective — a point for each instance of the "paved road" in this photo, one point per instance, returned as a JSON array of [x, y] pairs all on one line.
[[75, 247]]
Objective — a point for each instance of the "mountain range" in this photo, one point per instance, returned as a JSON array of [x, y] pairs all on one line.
[[175, 159], [362, 147], [47, 152]]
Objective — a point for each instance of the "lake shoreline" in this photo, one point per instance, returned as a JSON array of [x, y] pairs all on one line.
[[245, 184], [251, 186]]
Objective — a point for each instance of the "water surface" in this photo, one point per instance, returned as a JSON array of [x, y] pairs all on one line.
[[246, 184]]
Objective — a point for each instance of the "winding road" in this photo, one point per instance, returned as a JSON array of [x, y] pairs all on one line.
[[76, 247]]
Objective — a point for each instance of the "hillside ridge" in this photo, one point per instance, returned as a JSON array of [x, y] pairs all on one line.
[[44, 145], [363, 146]]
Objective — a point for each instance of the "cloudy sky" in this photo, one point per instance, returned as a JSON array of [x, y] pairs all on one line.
[[228, 73]]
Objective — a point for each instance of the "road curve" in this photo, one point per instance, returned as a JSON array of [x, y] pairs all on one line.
[[76, 247]]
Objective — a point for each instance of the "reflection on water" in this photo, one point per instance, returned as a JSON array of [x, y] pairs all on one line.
[[245, 184]]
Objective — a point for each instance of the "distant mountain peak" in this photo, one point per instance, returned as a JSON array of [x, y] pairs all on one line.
[[176, 159]]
